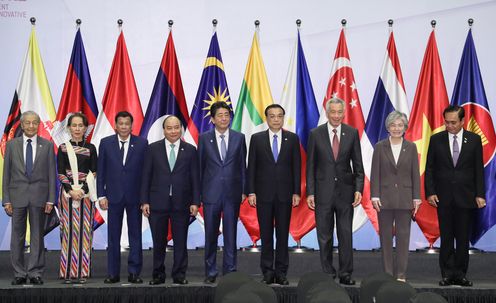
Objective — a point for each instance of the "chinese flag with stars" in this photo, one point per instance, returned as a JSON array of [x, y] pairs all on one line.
[[426, 119], [342, 85]]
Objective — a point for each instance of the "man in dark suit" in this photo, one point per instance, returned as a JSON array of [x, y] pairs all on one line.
[[334, 187], [274, 172], [120, 162], [28, 191], [222, 154], [454, 184], [170, 190]]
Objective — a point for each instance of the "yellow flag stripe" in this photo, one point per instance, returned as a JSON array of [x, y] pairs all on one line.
[[212, 61]]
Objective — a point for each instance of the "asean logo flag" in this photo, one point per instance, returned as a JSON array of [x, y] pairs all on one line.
[[302, 115], [469, 92], [389, 95], [342, 85]]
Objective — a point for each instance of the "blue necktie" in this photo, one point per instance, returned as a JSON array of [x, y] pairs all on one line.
[[275, 151], [29, 159], [223, 147]]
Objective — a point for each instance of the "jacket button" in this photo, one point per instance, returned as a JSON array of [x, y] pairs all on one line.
[[336, 179]]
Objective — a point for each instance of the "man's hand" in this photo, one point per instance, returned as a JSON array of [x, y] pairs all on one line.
[[311, 202], [8, 209], [48, 208], [377, 205], [193, 210], [252, 200], [76, 194], [358, 199], [243, 198], [296, 200], [103, 203], [145, 208], [416, 206], [433, 200], [481, 202]]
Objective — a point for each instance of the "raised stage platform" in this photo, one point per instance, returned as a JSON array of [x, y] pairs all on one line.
[[423, 274]]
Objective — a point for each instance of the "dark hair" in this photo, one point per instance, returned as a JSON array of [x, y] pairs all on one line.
[[218, 105], [167, 118], [124, 114], [274, 106], [454, 109], [80, 115]]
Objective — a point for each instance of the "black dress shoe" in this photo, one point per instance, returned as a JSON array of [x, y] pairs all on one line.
[[134, 278], [180, 281], [282, 281], [347, 280], [19, 281], [268, 279], [36, 281], [445, 282], [111, 280], [463, 282], [210, 280], [157, 281]]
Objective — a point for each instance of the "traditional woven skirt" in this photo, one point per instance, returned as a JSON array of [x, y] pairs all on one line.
[[76, 233]]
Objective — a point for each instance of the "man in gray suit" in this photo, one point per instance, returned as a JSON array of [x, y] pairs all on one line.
[[334, 187], [28, 190]]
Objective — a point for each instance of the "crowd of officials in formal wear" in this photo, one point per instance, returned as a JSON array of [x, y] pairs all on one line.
[[168, 180]]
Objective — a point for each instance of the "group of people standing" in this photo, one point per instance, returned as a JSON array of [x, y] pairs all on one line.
[[169, 179]]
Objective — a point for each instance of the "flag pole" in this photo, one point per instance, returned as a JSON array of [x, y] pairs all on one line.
[[390, 23], [470, 22], [214, 25], [78, 23]]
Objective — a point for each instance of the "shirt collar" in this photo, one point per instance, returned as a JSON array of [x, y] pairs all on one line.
[[330, 128], [176, 144], [34, 138], [120, 139], [217, 133]]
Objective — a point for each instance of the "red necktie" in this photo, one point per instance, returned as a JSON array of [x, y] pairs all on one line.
[[335, 144]]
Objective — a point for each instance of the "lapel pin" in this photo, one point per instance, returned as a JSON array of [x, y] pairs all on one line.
[[182, 148], [404, 149], [464, 140], [132, 145], [285, 139], [211, 141], [342, 134]]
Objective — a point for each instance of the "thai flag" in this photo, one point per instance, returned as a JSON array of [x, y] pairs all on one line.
[[389, 95], [302, 115], [469, 92]]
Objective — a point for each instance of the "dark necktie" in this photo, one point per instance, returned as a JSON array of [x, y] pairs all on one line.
[[275, 150], [335, 144], [29, 158], [456, 150], [122, 151]]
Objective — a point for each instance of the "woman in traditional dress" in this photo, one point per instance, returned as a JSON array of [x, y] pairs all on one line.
[[77, 162]]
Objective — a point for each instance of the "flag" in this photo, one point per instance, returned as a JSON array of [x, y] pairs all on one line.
[[120, 94], [342, 85], [469, 92], [213, 88], [77, 96], [302, 115], [249, 118], [32, 94], [389, 95], [426, 119], [167, 99]]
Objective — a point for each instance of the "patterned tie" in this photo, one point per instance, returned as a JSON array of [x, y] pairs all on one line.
[[275, 151], [223, 148], [335, 144], [122, 151], [29, 158], [172, 157], [456, 150]]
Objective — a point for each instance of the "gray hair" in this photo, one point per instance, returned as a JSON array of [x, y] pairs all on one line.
[[334, 100], [395, 115], [30, 113]]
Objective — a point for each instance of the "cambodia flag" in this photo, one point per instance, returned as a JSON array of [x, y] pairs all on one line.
[[167, 96], [77, 96], [302, 115], [469, 92], [389, 95]]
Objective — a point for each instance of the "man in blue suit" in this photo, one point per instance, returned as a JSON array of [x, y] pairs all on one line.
[[120, 162], [222, 154], [170, 191]]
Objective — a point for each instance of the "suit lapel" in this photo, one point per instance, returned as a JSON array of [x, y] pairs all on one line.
[[230, 145], [163, 151], [389, 154], [130, 149], [447, 148], [404, 150], [325, 137], [20, 151], [215, 147], [266, 146], [40, 145], [463, 144], [180, 154]]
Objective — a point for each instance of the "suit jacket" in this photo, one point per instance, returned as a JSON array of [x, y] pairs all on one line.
[[19, 189], [158, 178], [455, 185], [222, 178], [269, 179], [326, 176], [395, 184], [116, 181]]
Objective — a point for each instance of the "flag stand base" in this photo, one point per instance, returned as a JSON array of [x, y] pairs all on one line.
[[252, 248], [298, 249], [430, 250], [219, 248], [475, 251]]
